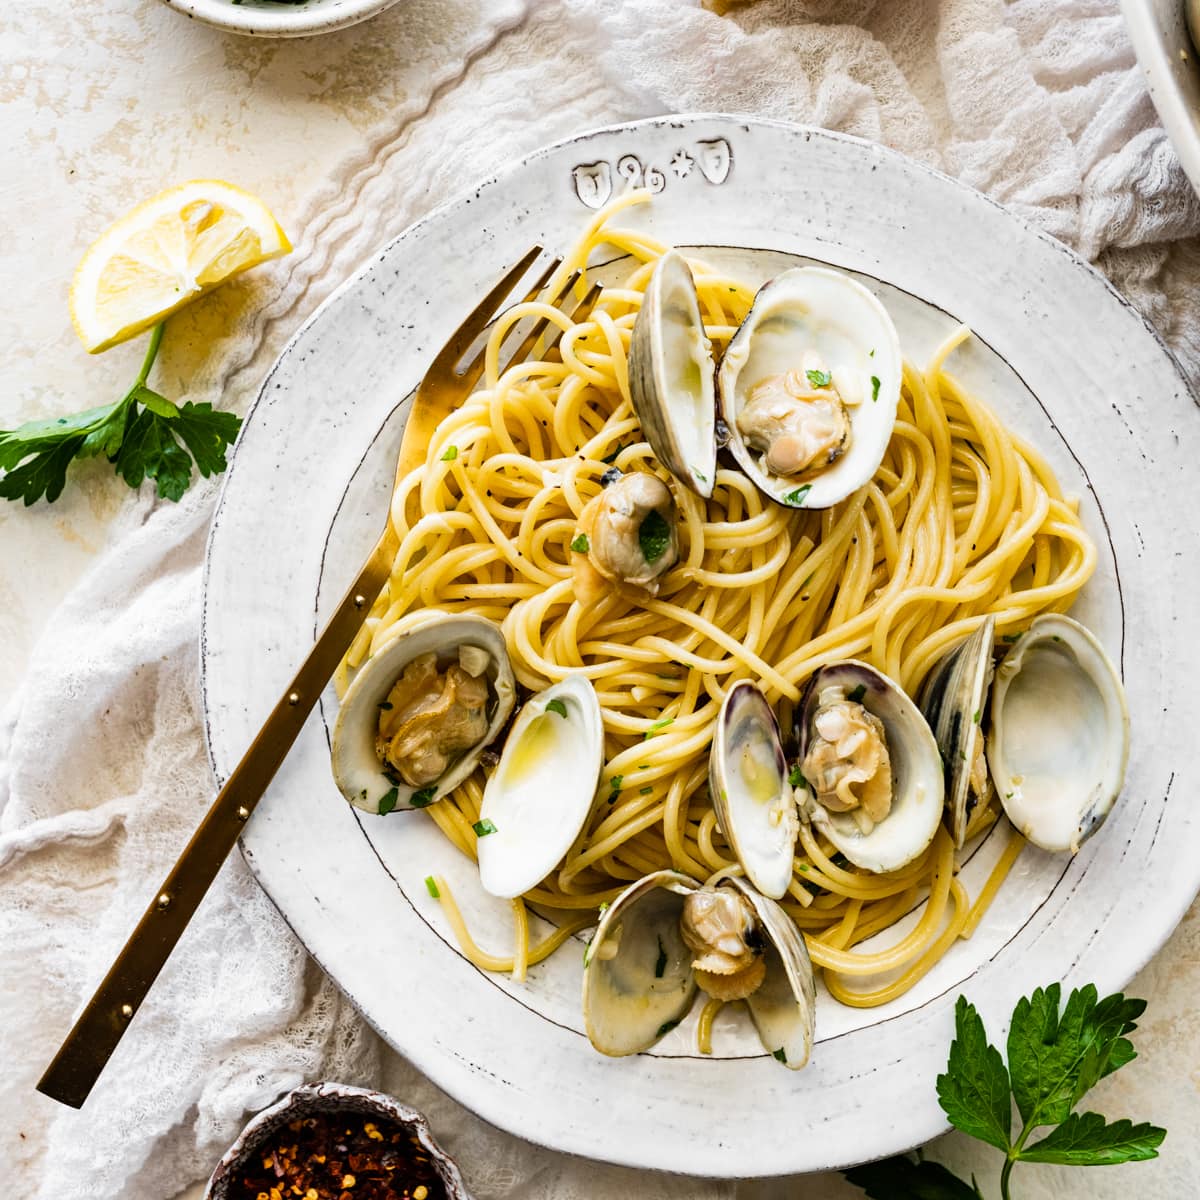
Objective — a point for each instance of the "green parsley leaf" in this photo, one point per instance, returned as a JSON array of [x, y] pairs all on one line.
[[141, 434], [422, 798], [796, 778], [388, 801], [666, 1028], [645, 791], [615, 783], [557, 706], [581, 545], [974, 1091], [700, 475], [796, 498], [660, 964], [1055, 1060], [872, 354], [902, 1179], [483, 828], [451, 454], [654, 536], [1010, 637], [780, 1054], [874, 387], [855, 695], [661, 723], [819, 379], [432, 888], [1086, 1140], [975, 718], [612, 458]]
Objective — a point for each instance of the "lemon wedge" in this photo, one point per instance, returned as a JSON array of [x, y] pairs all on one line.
[[170, 249]]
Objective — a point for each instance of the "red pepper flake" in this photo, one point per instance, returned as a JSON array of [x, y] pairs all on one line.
[[355, 1158]]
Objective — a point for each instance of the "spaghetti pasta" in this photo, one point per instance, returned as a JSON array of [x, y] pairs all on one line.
[[962, 519]]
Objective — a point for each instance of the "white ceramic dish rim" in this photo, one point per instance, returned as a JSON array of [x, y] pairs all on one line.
[[929, 1123], [1158, 32], [282, 21]]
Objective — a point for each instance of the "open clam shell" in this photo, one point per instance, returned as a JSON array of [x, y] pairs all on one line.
[[953, 697], [671, 376], [1058, 739], [637, 980], [917, 788], [816, 325], [784, 1006], [539, 796], [472, 643], [748, 784]]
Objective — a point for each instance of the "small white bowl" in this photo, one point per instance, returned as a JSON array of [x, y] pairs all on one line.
[[261, 18]]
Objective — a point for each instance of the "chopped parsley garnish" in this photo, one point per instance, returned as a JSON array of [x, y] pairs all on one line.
[[581, 545], [666, 1028], [388, 801], [780, 1054], [976, 717], [587, 952], [615, 783], [422, 798], [872, 354], [874, 387], [603, 906], [612, 458], [661, 723], [797, 497], [796, 779], [654, 536], [700, 475], [451, 454], [645, 791], [432, 888], [1010, 638], [819, 379], [856, 694], [483, 828], [557, 706], [660, 964]]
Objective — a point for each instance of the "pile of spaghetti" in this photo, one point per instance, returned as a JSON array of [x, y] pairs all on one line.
[[961, 519]]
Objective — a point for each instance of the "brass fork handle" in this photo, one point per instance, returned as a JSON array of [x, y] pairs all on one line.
[[94, 1036]]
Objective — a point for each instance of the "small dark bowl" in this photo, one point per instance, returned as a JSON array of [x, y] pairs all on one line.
[[332, 1097]]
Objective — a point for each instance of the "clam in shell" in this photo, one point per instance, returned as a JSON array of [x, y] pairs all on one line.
[[421, 710], [872, 774]]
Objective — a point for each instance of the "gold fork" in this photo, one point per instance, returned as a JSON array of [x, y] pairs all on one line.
[[95, 1034]]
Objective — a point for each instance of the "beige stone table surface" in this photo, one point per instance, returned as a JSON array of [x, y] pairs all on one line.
[[351, 136]]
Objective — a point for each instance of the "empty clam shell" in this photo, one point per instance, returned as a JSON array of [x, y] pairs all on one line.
[[539, 796], [1059, 735]]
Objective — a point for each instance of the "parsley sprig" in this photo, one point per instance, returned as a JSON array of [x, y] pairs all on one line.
[[144, 435], [1054, 1060]]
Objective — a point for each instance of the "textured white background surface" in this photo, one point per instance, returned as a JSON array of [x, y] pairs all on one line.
[[350, 137]]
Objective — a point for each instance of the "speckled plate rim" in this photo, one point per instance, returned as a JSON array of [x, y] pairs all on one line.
[[281, 20], [880, 1078]]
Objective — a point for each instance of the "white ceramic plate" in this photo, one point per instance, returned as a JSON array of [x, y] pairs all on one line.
[[1065, 360], [264, 18], [1158, 30]]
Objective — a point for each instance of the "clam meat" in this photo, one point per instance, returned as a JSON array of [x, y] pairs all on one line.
[[872, 778], [666, 934], [626, 537], [809, 387], [419, 712]]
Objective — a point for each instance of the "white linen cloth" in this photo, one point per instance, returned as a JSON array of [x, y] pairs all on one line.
[[103, 772]]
